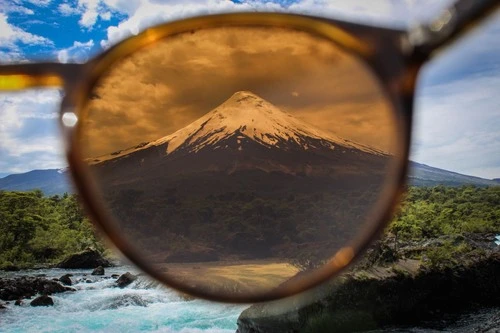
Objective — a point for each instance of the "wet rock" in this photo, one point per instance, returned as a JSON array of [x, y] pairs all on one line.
[[88, 281], [12, 289], [65, 279], [19, 302], [125, 280], [98, 271], [383, 296], [115, 276], [86, 259], [124, 300], [11, 268], [2, 307], [43, 300]]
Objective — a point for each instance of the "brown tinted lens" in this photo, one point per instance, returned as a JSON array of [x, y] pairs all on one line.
[[231, 159]]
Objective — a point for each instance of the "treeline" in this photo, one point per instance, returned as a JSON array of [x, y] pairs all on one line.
[[429, 212], [35, 229]]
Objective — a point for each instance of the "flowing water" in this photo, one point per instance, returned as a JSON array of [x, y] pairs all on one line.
[[99, 306], [144, 305]]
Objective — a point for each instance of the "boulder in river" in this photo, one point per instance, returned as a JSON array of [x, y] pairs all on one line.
[[98, 271], [125, 279], [88, 258], [66, 280], [43, 300], [12, 289]]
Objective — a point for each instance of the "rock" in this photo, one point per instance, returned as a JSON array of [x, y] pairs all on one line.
[[371, 299], [98, 271], [2, 307], [125, 280], [115, 276], [88, 281], [11, 268], [86, 259], [43, 300], [19, 302], [52, 287], [24, 287], [65, 279]]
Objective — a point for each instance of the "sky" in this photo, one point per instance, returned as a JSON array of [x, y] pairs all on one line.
[[457, 105]]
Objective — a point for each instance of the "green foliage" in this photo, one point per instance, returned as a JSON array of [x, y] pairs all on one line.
[[36, 230], [429, 212], [447, 254]]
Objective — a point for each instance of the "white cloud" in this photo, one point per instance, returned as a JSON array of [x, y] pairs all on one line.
[[456, 125], [66, 10], [79, 52], [106, 16], [7, 6], [41, 3], [28, 131], [90, 11], [10, 35]]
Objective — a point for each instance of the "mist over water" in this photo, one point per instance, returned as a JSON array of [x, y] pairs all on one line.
[[143, 306]]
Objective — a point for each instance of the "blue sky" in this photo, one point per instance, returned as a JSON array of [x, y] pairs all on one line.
[[457, 102]]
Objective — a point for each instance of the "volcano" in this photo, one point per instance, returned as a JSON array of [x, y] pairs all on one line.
[[246, 180], [246, 132]]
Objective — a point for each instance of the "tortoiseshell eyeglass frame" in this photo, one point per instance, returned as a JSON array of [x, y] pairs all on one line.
[[394, 56]]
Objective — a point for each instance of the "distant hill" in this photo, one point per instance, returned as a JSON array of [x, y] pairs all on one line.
[[51, 181], [424, 175]]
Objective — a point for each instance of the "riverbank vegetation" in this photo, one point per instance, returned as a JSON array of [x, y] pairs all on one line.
[[430, 212], [39, 230]]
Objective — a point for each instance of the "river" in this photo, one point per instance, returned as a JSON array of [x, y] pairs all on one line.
[[146, 306], [99, 306]]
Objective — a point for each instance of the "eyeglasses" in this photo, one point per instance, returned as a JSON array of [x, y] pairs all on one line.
[[245, 157]]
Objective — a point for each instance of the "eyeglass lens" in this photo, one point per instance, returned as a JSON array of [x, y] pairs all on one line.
[[233, 159]]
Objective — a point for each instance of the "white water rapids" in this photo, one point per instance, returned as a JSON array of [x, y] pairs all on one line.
[[99, 306]]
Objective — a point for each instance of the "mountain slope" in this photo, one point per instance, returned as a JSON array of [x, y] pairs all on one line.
[[51, 181], [244, 116], [425, 175]]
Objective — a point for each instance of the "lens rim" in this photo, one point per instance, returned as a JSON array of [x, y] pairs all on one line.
[[396, 82]]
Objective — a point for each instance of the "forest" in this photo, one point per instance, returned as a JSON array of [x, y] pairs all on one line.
[[40, 230], [37, 230], [429, 212]]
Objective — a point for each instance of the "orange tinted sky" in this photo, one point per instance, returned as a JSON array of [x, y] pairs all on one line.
[[164, 87]]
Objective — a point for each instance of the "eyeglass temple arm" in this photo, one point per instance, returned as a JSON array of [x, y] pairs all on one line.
[[452, 22], [23, 76]]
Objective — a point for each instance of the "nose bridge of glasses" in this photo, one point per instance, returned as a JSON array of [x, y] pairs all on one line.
[[37, 75]]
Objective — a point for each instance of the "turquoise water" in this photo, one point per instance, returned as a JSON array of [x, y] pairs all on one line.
[[146, 306], [143, 306]]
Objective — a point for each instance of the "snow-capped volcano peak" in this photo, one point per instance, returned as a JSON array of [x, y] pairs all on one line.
[[246, 117]]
